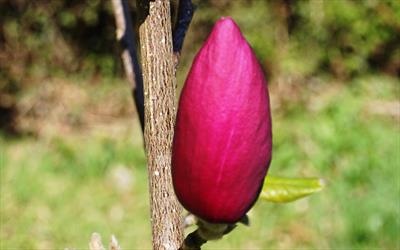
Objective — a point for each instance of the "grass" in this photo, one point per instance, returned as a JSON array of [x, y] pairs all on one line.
[[59, 187]]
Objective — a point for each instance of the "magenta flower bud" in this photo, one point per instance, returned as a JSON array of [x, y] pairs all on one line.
[[222, 143]]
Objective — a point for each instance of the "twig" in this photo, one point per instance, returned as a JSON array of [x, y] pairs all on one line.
[[205, 232], [193, 241], [113, 245], [185, 14], [96, 243], [127, 39]]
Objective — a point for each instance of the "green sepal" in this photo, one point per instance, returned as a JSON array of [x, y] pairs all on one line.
[[282, 190]]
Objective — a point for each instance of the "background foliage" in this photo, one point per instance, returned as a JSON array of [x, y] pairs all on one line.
[[71, 157], [344, 38]]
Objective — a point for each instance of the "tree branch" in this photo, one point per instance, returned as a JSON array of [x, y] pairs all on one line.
[[127, 39], [185, 14], [159, 87], [159, 66]]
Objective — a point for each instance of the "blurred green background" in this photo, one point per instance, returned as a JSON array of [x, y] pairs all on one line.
[[71, 155]]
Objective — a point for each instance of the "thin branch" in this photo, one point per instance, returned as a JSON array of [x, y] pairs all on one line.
[[185, 15], [207, 231], [127, 39], [193, 241]]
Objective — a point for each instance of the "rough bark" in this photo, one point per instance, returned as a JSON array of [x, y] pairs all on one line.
[[159, 92]]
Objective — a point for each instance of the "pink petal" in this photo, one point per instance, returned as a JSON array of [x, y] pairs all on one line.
[[223, 141]]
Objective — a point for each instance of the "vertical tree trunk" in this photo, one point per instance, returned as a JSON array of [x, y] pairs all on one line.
[[159, 93]]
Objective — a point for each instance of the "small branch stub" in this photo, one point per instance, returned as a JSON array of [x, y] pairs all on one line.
[[96, 243]]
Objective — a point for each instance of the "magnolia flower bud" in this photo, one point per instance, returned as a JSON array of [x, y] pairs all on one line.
[[222, 142]]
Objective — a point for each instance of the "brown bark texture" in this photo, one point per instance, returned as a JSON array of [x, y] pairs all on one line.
[[159, 91]]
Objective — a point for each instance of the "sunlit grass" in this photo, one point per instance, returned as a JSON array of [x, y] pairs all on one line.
[[57, 190]]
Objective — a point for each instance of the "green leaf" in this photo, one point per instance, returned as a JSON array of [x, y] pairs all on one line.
[[282, 190]]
